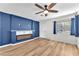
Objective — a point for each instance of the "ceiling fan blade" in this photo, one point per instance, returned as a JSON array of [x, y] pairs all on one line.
[[55, 11], [39, 6], [51, 5], [39, 12]]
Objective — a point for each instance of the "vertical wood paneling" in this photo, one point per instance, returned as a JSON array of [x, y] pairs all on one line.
[[5, 28], [10, 22], [0, 31]]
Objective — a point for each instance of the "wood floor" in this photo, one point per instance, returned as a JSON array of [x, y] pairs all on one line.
[[40, 47]]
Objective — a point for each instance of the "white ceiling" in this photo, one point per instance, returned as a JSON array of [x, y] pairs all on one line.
[[28, 10]]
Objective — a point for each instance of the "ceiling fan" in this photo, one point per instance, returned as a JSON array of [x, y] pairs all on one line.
[[46, 9]]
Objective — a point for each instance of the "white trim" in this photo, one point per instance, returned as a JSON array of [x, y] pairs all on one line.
[[5, 45], [23, 41], [78, 42]]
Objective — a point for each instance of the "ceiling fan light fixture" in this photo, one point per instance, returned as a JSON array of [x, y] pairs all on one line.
[[46, 9], [45, 12]]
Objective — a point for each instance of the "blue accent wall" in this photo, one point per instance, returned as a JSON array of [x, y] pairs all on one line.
[[77, 25], [5, 28], [72, 26], [0, 30], [10, 22], [35, 28], [13, 37], [19, 23]]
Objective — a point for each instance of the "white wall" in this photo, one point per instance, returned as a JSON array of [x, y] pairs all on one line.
[[46, 31]]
